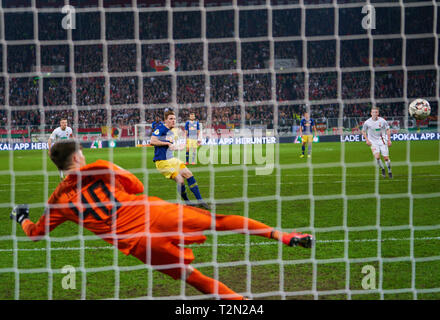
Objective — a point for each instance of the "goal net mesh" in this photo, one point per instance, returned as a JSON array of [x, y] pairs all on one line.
[[248, 69]]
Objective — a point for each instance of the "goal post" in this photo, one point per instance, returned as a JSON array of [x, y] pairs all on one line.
[[142, 134]]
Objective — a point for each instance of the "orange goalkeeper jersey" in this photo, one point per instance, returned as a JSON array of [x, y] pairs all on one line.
[[102, 198]]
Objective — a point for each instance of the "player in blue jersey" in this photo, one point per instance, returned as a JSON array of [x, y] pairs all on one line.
[[156, 123], [192, 132], [305, 131], [169, 166]]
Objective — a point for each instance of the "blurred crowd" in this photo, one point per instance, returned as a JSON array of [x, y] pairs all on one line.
[[119, 104]]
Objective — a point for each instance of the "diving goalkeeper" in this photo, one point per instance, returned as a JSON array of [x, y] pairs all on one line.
[[102, 197]]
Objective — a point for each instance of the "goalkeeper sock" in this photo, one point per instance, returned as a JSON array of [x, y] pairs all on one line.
[[209, 285], [239, 223], [380, 163], [388, 163], [276, 235], [187, 156], [303, 148], [192, 183], [182, 190]]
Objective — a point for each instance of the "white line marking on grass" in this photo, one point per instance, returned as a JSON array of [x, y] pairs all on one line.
[[317, 241], [240, 184], [230, 176], [59, 249], [229, 244]]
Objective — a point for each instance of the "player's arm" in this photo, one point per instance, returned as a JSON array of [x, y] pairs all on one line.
[[364, 133], [47, 222], [49, 142], [187, 129], [389, 136], [199, 140], [156, 142], [176, 145], [314, 128]]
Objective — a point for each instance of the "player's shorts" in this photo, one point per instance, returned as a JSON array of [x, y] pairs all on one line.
[[171, 227], [307, 138], [170, 168], [191, 143], [382, 149]]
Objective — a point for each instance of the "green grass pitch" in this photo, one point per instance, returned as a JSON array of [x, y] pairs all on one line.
[[337, 194]]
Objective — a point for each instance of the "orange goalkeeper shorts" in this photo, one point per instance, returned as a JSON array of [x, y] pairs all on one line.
[[171, 227]]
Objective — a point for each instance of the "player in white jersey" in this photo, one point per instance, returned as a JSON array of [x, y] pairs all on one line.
[[377, 134], [63, 132]]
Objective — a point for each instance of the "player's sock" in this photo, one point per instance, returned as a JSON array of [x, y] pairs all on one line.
[[380, 163], [388, 163], [192, 183], [309, 151], [303, 148], [209, 285], [182, 190], [187, 156], [239, 223], [276, 235], [249, 226], [194, 156]]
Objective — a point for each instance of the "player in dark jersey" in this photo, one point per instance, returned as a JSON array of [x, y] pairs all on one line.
[[156, 123], [169, 166], [305, 131], [192, 131]]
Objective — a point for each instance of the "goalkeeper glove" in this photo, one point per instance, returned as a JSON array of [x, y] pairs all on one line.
[[20, 212]]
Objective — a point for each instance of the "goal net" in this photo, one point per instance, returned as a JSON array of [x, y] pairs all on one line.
[[248, 70], [142, 134]]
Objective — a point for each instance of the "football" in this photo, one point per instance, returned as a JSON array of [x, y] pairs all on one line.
[[419, 109]]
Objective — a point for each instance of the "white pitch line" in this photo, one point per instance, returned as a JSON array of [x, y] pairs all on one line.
[[231, 176], [229, 244], [282, 183]]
